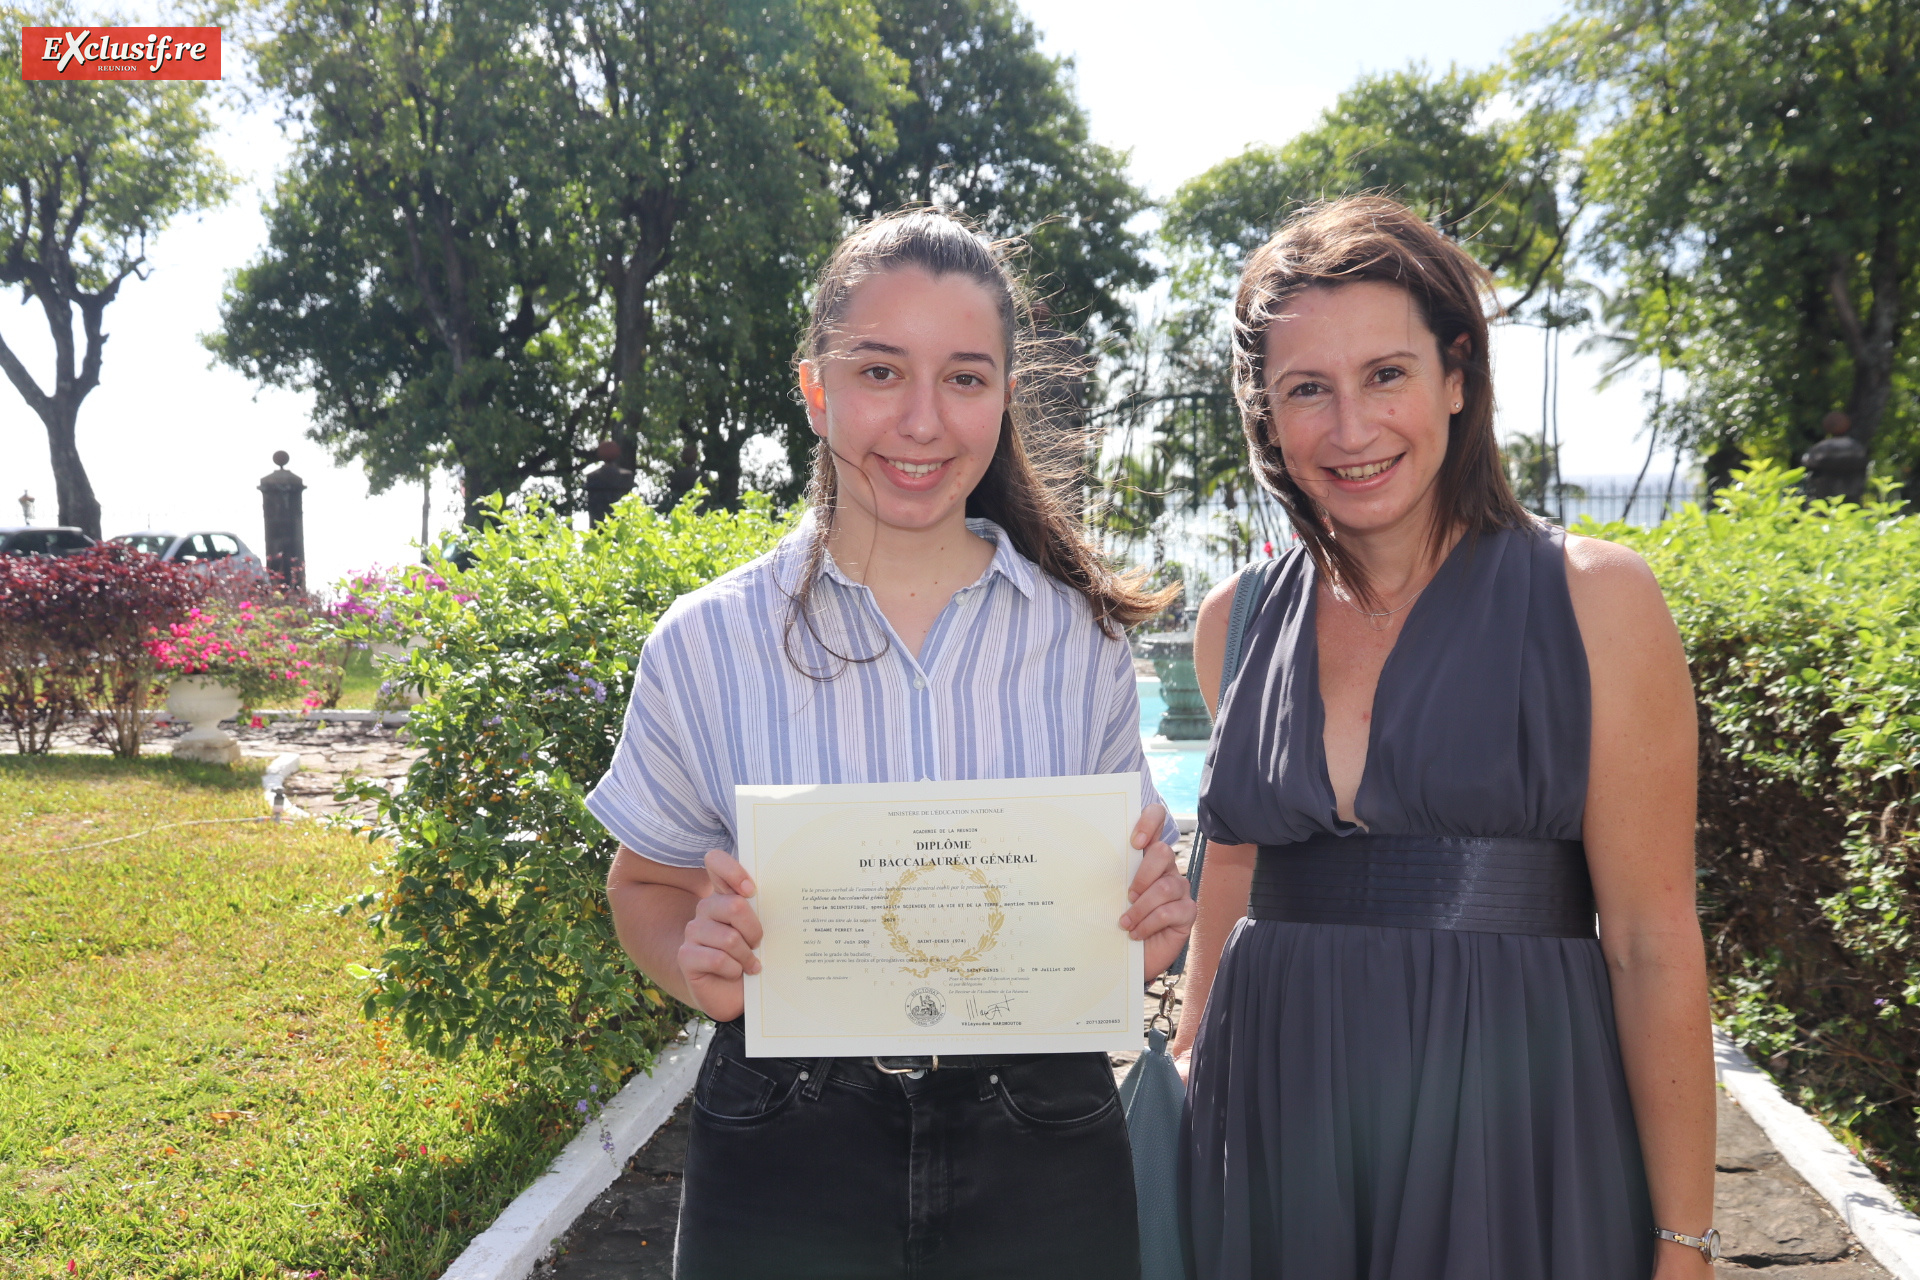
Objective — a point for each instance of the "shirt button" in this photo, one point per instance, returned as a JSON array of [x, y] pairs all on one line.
[[919, 682]]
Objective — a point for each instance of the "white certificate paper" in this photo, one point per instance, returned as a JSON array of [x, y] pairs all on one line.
[[942, 917]]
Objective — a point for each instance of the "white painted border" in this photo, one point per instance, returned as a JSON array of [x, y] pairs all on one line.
[[1889, 1232], [526, 1230], [273, 785]]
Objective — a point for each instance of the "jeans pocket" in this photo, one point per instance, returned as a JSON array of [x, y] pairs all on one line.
[[731, 1092], [1061, 1092]]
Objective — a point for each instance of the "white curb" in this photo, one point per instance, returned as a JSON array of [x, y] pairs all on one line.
[[1888, 1232], [526, 1229], [388, 718], [273, 784]]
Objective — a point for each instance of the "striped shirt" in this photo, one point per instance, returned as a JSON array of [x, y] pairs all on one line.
[[1014, 680]]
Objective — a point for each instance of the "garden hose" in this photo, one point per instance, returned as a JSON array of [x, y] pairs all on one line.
[[195, 822]]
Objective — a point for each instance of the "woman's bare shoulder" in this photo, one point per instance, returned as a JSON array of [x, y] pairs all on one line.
[[1217, 605], [1616, 599], [1608, 575]]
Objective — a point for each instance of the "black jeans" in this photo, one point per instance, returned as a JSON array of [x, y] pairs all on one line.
[[834, 1169]]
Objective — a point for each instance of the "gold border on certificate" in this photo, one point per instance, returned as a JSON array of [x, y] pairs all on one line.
[[942, 917]]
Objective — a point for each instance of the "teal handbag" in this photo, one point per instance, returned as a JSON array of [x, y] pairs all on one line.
[[1153, 1095], [1155, 1100]]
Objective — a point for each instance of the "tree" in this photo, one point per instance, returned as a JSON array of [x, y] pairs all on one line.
[[495, 203], [992, 131], [1755, 171], [417, 260], [1503, 186], [90, 171], [703, 141]]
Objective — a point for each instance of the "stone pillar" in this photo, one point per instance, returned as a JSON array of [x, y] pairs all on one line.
[[286, 529], [607, 483], [1172, 655]]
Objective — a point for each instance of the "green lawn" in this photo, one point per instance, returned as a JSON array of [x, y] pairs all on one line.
[[186, 1087], [361, 684]]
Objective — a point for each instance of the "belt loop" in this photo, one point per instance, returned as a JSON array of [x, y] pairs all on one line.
[[986, 1080], [816, 1079]]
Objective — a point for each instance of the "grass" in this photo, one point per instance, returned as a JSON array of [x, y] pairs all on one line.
[[186, 1086], [361, 683]]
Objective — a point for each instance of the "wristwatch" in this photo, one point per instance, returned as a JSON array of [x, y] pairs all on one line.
[[1708, 1245]]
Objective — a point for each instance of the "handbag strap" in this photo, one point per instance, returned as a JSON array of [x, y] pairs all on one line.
[[1248, 589]]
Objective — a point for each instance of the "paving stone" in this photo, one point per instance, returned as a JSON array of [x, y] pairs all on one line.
[[1770, 1220], [1813, 1271], [627, 1233], [327, 752], [666, 1151], [1775, 1220], [1740, 1146]]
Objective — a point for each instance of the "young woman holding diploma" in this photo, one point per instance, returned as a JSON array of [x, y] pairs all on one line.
[[937, 615]]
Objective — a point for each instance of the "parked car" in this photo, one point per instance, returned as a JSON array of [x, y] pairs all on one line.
[[220, 555], [59, 540]]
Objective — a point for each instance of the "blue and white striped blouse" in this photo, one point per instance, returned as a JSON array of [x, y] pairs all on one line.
[[1014, 680]]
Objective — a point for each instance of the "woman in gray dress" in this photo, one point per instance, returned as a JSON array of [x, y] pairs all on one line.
[[1455, 735]]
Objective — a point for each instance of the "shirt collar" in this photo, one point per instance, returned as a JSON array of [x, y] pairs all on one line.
[[1007, 561]]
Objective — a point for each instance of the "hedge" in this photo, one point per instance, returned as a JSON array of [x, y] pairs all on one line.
[[1802, 627], [73, 639], [492, 902]]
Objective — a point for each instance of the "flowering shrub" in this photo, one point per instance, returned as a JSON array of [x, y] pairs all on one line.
[[378, 608], [254, 648], [1802, 626], [73, 632], [492, 905], [384, 602]]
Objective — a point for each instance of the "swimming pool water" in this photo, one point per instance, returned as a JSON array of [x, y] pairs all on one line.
[[1175, 768]]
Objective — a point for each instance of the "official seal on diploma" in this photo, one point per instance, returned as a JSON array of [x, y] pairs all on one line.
[[942, 917], [925, 1007]]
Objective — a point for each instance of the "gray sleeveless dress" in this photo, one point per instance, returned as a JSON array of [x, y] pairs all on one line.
[[1408, 1067]]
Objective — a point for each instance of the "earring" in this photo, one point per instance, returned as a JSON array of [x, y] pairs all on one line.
[[1456, 406]]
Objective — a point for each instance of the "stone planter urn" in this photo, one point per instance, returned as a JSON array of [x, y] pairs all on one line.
[[203, 702], [395, 695], [1171, 653]]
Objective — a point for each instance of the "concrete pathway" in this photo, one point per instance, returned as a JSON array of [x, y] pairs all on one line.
[[1774, 1226], [1771, 1222]]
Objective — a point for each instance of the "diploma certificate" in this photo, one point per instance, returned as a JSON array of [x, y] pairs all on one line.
[[942, 917]]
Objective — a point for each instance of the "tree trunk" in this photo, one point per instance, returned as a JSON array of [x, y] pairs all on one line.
[[628, 272], [682, 476], [723, 459], [59, 412], [1873, 340], [78, 506]]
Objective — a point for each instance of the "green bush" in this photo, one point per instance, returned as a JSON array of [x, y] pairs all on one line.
[[1802, 627], [492, 905]]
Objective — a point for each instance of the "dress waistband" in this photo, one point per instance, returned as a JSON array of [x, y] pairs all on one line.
[[1474, 884]]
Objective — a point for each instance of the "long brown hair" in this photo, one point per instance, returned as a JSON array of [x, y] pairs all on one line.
[[1026, 496], [1374, 238]]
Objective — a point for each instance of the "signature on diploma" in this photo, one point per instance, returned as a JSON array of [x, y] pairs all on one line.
[[980, 1012]]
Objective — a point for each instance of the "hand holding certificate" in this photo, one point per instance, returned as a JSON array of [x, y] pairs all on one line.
[[942, 917]]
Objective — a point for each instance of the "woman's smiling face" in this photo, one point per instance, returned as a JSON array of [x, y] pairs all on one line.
[[1361, 402], [911, 395]]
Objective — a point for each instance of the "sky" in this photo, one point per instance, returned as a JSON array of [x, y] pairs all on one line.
[[172, 441]]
